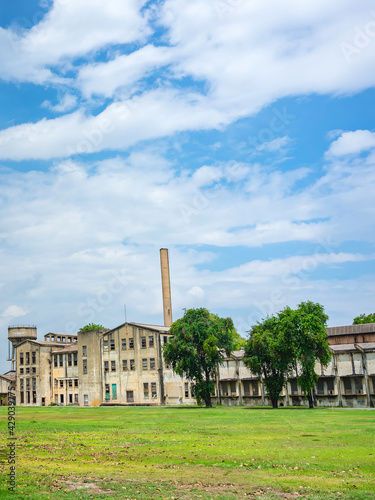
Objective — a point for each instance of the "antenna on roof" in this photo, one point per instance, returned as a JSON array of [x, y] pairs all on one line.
[[126, 319]]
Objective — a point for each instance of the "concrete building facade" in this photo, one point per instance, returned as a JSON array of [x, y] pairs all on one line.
[[125, 366]]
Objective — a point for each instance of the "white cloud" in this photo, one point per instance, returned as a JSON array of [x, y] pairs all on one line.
[[350, 143], [69, 30], [13, 312], [66, 103]]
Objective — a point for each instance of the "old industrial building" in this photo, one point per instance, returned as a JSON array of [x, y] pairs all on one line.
[[125, 366]]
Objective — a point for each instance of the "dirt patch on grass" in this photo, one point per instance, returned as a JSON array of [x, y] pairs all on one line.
[[92, 487]]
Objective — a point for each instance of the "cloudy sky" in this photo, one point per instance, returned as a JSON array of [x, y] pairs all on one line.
[[237, 133]]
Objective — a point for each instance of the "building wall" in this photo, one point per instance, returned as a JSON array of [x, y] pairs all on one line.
[[89, 368]]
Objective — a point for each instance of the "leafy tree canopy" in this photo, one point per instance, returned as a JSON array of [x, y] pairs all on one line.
[[90, 327], [364, 318], [200, 342], [291, 341]]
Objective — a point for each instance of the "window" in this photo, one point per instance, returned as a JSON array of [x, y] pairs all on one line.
[[56, 382], [61, 359], [85, 399], [330, 386], [144, 364], [153, 389], [55, 360], [84, 350], [152, 363], [165, 339], [34, 384], [75, 398], [114, 391], [151, 341], [131, 343], [107, 394], [85, 366], [34, 397], [58, 339], [294, 386], [320, 386], [27, 370], [21, 371], [112, 344], [255, 387], [105, 345], [27, 358], [69, 360], [123, 344], [70, 383], [33, 357], [246, 387], [233, 388], [113, 366], [224, 388], [61, 383], [143, 342], [28, 397], [358, 385], [76, 382], [69, 339], [21, 384], [106, 366], [33, 369], [22, 397], [71, 399], [21, 358], [75, 359], [132, 364], [145, 391], [62, 399], [347, 385], [186, 389], [129, 396], [124, 364]]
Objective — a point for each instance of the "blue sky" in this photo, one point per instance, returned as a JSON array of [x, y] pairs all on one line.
[[238, 134]]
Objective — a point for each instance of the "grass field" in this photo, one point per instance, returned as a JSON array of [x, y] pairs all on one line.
[[183, 453]]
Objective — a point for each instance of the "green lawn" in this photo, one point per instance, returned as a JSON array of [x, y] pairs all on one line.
[[183, 453]]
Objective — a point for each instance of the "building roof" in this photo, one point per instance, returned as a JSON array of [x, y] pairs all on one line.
[[44, 343], [157, 328], [11, 378], [365, 346], [61, 334], [68, 348], [351, 329]]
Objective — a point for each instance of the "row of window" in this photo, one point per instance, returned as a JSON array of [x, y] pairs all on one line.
[[59, 398], [149, 389], [68, 383], [54, 338], [58, 359], [146, 364], [128, 343], [29, 399], [28, 382], [25, 359], [27, 370]]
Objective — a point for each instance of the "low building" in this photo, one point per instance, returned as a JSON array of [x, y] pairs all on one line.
[[125, 366]]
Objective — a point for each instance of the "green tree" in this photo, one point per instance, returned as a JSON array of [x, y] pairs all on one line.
[[90, 327], [364, 318], [308, 327], [200, 342], [269, 354]]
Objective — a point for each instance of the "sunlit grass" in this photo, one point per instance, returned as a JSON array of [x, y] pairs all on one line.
[[221, 453]]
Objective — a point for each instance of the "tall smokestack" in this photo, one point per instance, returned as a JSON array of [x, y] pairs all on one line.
[[166, 286]]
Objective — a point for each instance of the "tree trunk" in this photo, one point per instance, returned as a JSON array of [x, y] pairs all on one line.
[[274, 402], [310, 399], [207, 398]]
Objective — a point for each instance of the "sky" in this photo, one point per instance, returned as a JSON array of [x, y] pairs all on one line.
[[239, 134]]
